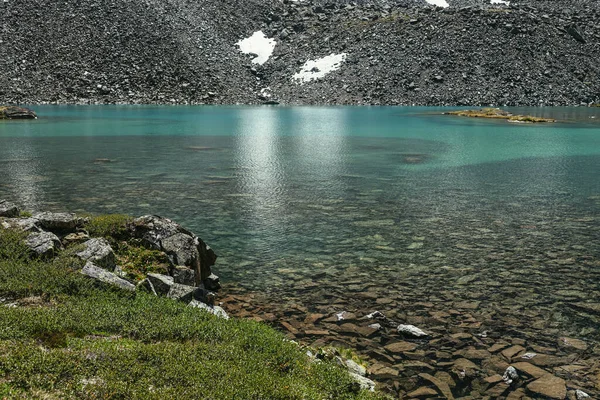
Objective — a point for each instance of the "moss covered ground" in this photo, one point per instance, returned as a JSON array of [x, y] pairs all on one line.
[[62, 336]]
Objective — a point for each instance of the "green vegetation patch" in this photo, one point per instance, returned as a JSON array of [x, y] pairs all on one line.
[[138, 261], [108, 226], [496, 113], [91, 341]]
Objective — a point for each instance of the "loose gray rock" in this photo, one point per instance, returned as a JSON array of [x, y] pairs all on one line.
[[411, 330], [24, 224], [8, 209], [161, 283], [105, 276], [58, 222], [98, 251], [364, 382], [510, 375], [43, 244], [215, 310]]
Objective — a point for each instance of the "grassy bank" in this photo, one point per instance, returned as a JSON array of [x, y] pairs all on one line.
[[63, 336]]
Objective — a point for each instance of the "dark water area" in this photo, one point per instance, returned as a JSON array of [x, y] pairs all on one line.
[[434, 220]]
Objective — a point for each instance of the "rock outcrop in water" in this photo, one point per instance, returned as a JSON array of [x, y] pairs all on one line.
[[524, 52], [13, 112], [47, 233]]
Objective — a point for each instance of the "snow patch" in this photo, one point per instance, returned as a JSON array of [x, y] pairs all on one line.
[[439, 3], [500, 2], [314, 69], [258, 44]]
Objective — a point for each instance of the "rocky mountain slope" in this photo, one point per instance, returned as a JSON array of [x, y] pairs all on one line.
[[528, 52]]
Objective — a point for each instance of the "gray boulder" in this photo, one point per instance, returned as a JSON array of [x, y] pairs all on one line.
[[24, 224], [98, 251], [161, 283], [14, 112], [61, 222], [8, 209], [215, 310], [43, 244], [184, 275], [105, 276], [181, 292], [181, 246]]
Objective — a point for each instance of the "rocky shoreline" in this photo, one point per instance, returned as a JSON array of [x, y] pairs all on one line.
[[405, 52], [420, 350]]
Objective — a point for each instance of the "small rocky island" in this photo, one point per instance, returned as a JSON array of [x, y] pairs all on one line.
[[14, 112], [496, 113]]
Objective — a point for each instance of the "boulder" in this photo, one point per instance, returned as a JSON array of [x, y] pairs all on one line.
[[58, 222], [13, 112], [105, 276], [181, 292], [8, 209], [98, 251], [363, 382], [43, 244], [24, 224], [161, 283], [181, 246], [411, 330], [215, 310], [184, 275], [212, 283]]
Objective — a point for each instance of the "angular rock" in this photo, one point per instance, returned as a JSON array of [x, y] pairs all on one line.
[[442, 386], [574, 31], [212, 282], [549, 386], [146, 286], [354, 367], [571, 343], [216, 310], [512, 351], [400, 347], [43, 244], [181, 246], [181, 292], [105, 276], [77, 237], [58, 222], [510, 375], [364, 383], [98, 251], [8, 209], [422, 392], [410, 330], [529, 369], [24, 224], [184, 275], [161, 283], [464, 369]]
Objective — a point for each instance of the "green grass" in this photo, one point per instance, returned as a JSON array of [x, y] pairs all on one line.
[[109, 226], [87, 341]]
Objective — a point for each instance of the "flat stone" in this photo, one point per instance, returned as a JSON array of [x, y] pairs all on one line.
[[442, 386], [493, 379], [105, 276], [512, 351], [496, 347], [289, 328], [316, 332], [400, 347], [571, 343], [529, 369], [497, 390], [422, 392], [474, 354], [62, 222], [410, 330], [386, 373], [464, 368], [545, 360], [549, 386]]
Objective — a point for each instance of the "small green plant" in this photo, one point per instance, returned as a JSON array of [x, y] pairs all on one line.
[[109, 226], [138, 261], [26, 214]]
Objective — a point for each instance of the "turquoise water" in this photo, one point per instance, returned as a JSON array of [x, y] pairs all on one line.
[[298, 200]]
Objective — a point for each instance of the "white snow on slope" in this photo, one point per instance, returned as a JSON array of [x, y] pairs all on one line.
[[439, 3], [500, 2], [314, 69], [258, 44]]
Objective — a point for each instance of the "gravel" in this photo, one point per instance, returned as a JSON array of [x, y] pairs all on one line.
[[403, 52]]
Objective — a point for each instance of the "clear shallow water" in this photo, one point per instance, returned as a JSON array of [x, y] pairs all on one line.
[[400, 201]]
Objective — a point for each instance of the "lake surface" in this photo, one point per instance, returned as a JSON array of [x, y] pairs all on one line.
[[306, 203]]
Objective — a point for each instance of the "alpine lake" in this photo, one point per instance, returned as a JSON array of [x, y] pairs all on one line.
[[483, 233]]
